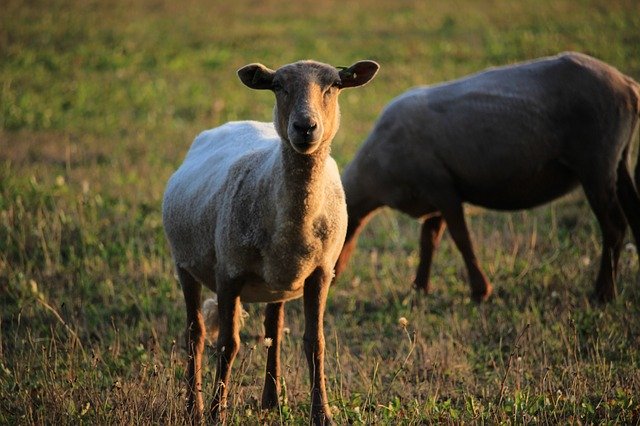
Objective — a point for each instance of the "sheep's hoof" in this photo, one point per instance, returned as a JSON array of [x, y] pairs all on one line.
[[270, 400], [194, 417], [422, 287], [483, 294], [323, 419], [417, 298], [603, 295]]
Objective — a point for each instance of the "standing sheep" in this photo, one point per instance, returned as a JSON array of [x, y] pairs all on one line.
[[257, 213], [507, 138]]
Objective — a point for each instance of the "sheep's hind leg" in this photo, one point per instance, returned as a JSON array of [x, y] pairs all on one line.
[[316, 288], [453, 214], [430, 235], [629, 199], [605, 205], [273, 323], [229, 311], [192, 290]]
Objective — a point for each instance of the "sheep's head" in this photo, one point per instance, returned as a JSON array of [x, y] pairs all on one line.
[[306, 111]]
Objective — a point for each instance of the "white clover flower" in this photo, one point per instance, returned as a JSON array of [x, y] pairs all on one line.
[[268, 342]]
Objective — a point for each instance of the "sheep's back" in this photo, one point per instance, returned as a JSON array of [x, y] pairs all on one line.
[[195, 191], [510, 127]]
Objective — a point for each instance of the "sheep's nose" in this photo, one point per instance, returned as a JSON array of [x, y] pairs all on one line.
[[305, 127]]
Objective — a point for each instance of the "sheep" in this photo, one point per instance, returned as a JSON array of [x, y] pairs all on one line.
[[257, 213], [508, 138]]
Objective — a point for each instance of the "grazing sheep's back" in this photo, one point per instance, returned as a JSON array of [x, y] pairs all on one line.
[[191, 201], [507, 138], [515, 118]]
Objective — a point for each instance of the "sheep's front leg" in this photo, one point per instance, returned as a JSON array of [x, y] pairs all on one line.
[[316, 288], [229, 310], [430, 236], [453, 214], [192, 290], [273, 323]]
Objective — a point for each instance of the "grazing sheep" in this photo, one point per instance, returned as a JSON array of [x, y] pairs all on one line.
[[507, 138], [257, 213]]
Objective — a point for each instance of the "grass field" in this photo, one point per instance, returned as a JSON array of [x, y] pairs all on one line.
[[99, 101]]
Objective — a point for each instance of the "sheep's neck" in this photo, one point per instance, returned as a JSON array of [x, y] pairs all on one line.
[[303, 182]]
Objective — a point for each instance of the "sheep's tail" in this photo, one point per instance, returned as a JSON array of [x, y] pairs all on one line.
[[212, 321], [636, 88], [628, 195]]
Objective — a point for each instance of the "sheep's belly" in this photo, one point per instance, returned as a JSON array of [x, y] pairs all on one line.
[[254, 293]]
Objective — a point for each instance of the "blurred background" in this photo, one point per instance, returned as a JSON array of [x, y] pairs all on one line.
[[99, 102]]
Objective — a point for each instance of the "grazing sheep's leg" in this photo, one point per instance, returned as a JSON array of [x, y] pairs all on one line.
[[192, 290], [430, 235], [359, 215], [353, 232], [273, 323], [229, 311], [637, 172], [453, 214], [316, 288], [607, 209], [629, 199]]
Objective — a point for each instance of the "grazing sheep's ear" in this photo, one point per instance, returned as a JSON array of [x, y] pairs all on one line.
[[358, 74], [257, 76]]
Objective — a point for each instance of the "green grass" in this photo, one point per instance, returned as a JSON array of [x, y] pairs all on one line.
[[99, 102]]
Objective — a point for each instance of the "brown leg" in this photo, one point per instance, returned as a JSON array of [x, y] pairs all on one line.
[[637, 173], [629, 199], [613, 224], [315, 296], [354, 227], [430, 235], [192, 290], [273, 323], [347, 250], [229, 310], [453, 214], [359, 214]]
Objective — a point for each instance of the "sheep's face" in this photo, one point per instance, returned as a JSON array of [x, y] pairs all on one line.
[[306, 113]]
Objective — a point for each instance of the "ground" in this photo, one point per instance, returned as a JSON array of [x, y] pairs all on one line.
[[99, 102]]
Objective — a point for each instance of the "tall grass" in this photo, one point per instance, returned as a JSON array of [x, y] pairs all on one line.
[[99, 102]]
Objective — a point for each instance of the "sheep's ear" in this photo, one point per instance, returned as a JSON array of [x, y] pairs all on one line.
[[257, 76], [358, 74]]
